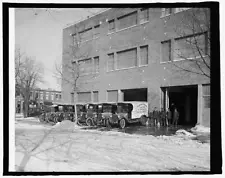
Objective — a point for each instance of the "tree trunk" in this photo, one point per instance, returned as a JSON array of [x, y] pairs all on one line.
[[26, 107], [75, 108]]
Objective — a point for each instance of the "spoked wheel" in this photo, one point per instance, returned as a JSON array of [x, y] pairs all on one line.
[[89, 122], [122, 123]]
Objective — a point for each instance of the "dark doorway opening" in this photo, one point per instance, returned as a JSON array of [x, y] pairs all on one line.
[[185, 99], [136, 94]]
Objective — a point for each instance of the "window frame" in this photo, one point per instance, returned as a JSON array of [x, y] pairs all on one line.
[[191, 36], [141, 11], [124, 16], [143, 46], [83, 31], [170, 51], [163, 10], [91, 63], [98, 30], [129, 49], [114, 68], [114, 29], [94, 71]]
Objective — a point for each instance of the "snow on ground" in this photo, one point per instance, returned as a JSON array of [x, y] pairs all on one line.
[[74, 149]]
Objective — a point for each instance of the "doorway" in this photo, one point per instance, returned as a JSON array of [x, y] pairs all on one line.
[[185, 99]]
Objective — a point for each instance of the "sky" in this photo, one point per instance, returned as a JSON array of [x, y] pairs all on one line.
[[38, 33]]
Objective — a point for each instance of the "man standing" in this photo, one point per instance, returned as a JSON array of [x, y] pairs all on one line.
[[175, 116]]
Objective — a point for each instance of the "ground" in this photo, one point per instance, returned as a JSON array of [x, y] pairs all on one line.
[[63, 147]]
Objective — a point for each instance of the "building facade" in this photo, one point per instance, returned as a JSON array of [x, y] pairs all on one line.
[[131, 55], [38, 97]]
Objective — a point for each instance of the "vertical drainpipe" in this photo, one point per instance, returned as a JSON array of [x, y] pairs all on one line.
[[199, 104]]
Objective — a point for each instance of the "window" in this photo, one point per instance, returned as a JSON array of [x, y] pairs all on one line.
[[52, 96], [166, 51], [110, 62], [85, 35], [56, 96], [41, 95], [36, 96], [60, 96], [72, 97], [144, 15], [180, 9], [85, 66], [96, 31], [166, 12], [95, 96], [96, 64], [111, 26], [206, 95], [127, 58], [144, 55], [84, 97], [190, 47], [127, 20], [112, 96], [46, 95]]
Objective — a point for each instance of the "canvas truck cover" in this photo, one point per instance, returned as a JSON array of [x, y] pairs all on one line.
[[139, 109]]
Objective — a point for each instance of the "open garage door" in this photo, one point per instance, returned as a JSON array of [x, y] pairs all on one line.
[[140, 94], [185, 100]]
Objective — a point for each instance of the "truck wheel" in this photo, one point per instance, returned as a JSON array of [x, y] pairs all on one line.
[[108, 123], [122, 123], [89, 122]]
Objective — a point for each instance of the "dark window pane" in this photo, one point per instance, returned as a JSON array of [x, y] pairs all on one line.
[[127, 20], [166, 51], [127, 58]]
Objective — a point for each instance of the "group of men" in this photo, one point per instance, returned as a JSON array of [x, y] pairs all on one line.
[[165, 118]]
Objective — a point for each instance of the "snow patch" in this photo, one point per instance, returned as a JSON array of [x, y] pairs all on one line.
[[183, 132], [200, 128], [65, 125]]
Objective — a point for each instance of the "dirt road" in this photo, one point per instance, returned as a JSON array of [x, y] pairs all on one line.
[[41, 148]]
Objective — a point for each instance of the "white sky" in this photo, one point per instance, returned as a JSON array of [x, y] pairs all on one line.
[[39, 34]]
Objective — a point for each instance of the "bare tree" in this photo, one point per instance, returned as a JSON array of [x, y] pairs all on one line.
[[192, 43], [28, 73], [71, 69]]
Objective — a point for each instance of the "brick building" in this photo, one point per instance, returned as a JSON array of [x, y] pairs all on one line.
[[39, 97], [131, 58]]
